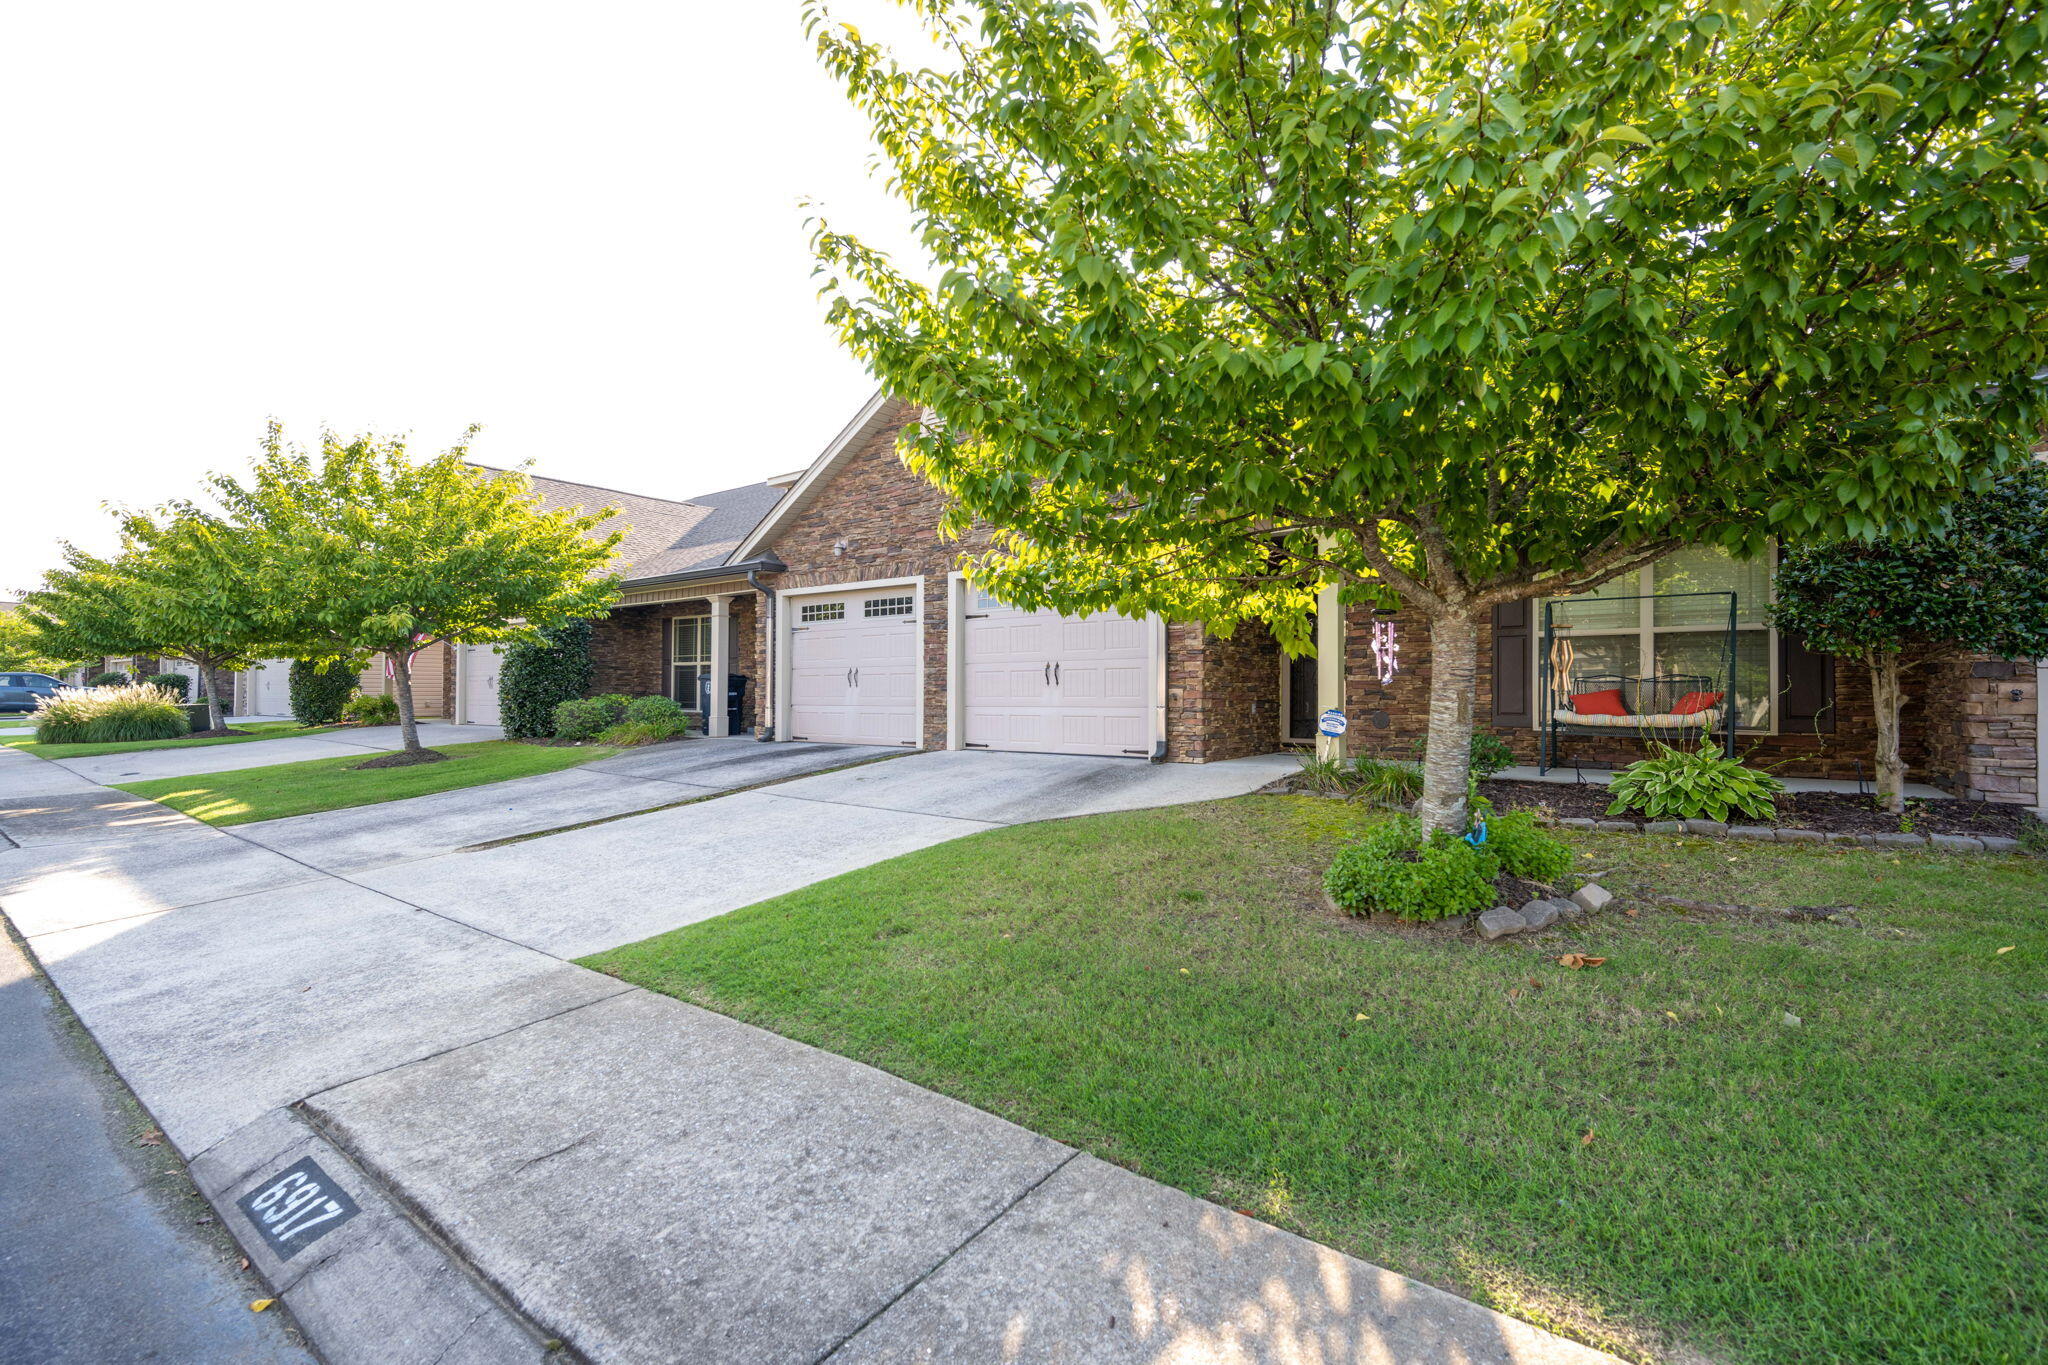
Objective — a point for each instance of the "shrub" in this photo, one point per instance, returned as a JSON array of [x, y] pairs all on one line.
[[1526, 849], [177, 684], [1698, 784], [659, 710], [587, 717], [113, 677], [370, 708], [107, 715], [1490, 754], [320, 692], [628, 733], [537, 676], [1394, 870]]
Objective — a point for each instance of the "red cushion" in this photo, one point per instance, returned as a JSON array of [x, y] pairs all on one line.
[[1607, 703], [1692, 703]]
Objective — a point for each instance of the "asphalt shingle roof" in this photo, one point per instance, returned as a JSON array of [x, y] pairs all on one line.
[[664, 536]]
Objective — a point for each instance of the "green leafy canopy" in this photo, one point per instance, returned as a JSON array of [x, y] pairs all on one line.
[[1465, 301], [363, 549], [1979, 587]]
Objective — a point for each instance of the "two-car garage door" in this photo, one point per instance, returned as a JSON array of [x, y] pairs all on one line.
[[1044, 683]]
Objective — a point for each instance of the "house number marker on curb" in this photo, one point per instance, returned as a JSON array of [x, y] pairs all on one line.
[[298, 1207]]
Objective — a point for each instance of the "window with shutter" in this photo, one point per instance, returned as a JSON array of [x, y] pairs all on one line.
[[1514, 692]]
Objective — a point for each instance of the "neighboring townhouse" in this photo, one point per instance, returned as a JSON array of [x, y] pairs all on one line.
[[684, 612], [869, 634]]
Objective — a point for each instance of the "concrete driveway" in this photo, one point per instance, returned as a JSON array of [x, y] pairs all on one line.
[[222, 758], [578, 892], [401, 831], [644, 1179]]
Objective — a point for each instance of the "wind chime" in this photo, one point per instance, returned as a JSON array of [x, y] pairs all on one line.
[[1386, 660], [1562, 657]]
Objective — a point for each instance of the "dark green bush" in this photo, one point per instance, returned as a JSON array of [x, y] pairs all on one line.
[[1526, 849], [371, 708], [321, 691], [534, 678], [587, 717], [177, 684], [657, 710], [1395, 871], [111, 678]]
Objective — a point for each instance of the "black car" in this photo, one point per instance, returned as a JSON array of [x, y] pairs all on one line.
[[21, 691]]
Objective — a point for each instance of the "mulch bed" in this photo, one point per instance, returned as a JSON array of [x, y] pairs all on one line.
[[1830, 812], [401, 759]]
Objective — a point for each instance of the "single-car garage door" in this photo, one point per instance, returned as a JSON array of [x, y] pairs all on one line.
[[853, 666], [480, 684], [1045, 683]]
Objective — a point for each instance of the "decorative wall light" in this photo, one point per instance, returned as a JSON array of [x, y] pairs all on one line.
[[840, 547]]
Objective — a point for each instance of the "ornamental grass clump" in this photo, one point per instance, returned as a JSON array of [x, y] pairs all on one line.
[[110, 715], [1698, 784]]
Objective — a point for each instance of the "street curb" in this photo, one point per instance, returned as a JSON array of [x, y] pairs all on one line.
[[378, 1289]]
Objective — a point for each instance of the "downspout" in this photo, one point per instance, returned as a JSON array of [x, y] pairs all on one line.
[[765, 730]]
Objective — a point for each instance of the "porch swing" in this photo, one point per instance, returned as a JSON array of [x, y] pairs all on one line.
[[1654, 705]]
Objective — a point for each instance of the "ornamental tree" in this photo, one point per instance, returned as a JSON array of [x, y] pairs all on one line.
[[24, 650], [182, 585], [1450, 304], [364, 550], [1900, 604]]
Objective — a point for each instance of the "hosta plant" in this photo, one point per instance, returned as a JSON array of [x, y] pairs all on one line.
[[1693, 784], [107, 715]]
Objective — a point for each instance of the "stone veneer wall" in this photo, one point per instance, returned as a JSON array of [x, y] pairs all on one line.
[[1983, 725], [626, 650], [878, 520]]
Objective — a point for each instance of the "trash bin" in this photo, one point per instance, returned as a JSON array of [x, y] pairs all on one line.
[[735, 700]]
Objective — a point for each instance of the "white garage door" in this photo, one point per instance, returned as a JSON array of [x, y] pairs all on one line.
[[270, 692], [1045, 683], [480, 683], [853, 666]]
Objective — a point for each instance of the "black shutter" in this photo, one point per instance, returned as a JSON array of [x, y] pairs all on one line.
[[1806, 688], [1514, 687]]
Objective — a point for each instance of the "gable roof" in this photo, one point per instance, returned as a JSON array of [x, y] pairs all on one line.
[[663, 536], [880, 413]]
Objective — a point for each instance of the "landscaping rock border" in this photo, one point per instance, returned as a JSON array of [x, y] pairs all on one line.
[[1715, 829]]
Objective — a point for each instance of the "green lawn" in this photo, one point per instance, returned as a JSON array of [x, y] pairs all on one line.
[[236, 798], [262, 729], [1645, 1155]]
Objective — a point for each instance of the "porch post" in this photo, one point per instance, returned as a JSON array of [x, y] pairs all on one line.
[[1330, 668], [715, 721]]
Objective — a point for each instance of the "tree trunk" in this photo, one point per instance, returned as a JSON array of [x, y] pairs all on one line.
[[1885, 699], [401, 671], [216, 714], [1453, 687]]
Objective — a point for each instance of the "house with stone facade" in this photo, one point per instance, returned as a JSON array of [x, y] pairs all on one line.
[[854, 624]]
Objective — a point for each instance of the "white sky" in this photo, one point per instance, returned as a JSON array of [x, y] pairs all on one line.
[[576, 224]]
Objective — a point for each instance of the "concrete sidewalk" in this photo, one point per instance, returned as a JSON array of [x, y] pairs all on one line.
[[640, 1178]]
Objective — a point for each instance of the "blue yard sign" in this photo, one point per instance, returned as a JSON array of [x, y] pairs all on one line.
[[1333, 723]]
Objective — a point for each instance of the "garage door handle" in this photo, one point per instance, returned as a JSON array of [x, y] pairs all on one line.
[[1048, 675], [1055, 675]]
